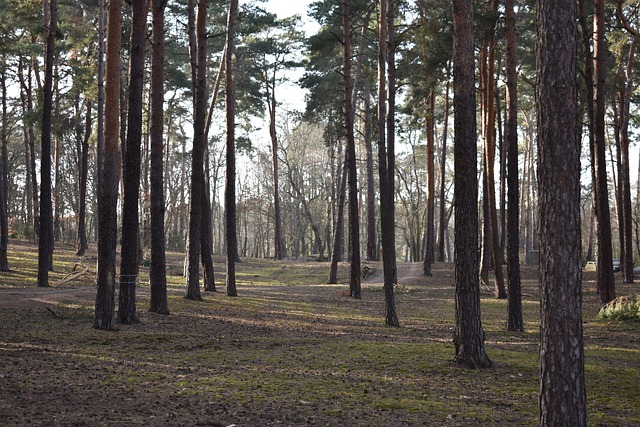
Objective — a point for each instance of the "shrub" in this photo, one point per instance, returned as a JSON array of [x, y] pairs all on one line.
[[623, 308]]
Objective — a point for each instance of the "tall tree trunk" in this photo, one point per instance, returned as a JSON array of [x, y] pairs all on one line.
[[197, 163], [336, 253], [562, 387], [277, 229], [372, 244], [230, 189], [604, 265], [386, 171], [4, 224], [129, 262], [586, 32], [431, 185], [354, 217], [82, 243], [391, 125], [489, 128], [57, 155], [443, 170], [45, 246], [157, 268], [624, 176], [468, 334], [101, 101], [514, 306], [107, 217]]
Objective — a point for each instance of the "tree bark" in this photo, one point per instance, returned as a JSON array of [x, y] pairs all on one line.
[[83, 173], [489, 131], [385, 171], [624, 175], [562, 387], [129, 262], [4, 223], [354, 217], [443, 170], [230, 188], [468, 335], [45, 246], [157, 268], [514, 306], [336, 253], [107, 218], [372, 244], [604, 265], [391, 126], [431, 186], [197, 162], [101, 101]]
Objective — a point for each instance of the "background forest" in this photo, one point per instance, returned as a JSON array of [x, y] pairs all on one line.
[[178, 132], [272, 52]]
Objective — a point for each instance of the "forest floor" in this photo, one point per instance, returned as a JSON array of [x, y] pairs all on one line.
[[290, 350]]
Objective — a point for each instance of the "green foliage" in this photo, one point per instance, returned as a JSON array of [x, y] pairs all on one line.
[[623, 308]]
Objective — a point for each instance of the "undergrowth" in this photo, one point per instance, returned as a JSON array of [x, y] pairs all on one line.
[[622, 308]]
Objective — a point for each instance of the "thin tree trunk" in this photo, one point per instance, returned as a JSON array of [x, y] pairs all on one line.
[[468, 334], [354, 217], [562, 388], [82, 243], [45, 247], [586, 32], [4, 224], [197, 160], [604, 266], [157, 268], [391, 126], [627, 258], [129, 261], [431, 186], [107, 217], [230, 189], [386, 171], [443, 171], [336, 253], [372, 244], [488, 64], [101, 100], [514, 306]]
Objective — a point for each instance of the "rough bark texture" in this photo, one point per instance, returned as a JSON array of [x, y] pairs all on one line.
[[4, 225], [562, 387], [82, 185], [230, 188], [206, 242], [127, 312], [372, 244], [197, 160], [443, 169], [45, 246], [354, 216], [336, 253], [431, 187], [487, 68], [514, 306], [391, 128], [386, 186], [157, 268], [107, 219], [277, 226], [626, 259], [468, 334], [604, 263], [101, 100]]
